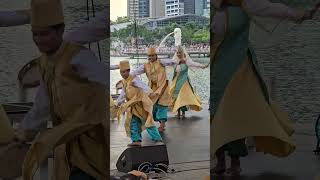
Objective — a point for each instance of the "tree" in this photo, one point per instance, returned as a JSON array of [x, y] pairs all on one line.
[[191, 32], [201, 36]]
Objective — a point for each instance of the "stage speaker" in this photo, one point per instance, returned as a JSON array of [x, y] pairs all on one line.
[[133, 157]]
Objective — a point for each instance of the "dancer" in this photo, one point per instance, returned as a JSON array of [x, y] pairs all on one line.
[[181, 90], [73, 94], [159, 83], [138, 106], [239, 100]]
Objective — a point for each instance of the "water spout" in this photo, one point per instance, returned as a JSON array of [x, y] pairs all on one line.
[[164, 40]]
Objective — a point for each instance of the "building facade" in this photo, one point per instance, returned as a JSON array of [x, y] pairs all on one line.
[[138, 8], [180, 19], [157, 8], [199, 7], [189, 6], [174, 7]]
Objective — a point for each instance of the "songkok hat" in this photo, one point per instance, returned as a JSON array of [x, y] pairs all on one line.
[[124, 65], [152, 51], [45, 13]]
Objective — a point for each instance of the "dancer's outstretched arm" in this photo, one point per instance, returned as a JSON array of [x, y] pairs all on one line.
[[265, 8], [14, 18], [168, 62], [92, 31]]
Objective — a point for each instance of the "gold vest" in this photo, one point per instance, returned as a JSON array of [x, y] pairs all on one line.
[[6, 130], [79, 114], [138, 104], [158, 82]]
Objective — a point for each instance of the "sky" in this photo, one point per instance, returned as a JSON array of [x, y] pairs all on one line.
[[118, 8]]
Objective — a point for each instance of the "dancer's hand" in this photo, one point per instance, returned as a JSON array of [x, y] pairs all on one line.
[[139, 174], [19, 136], [152, 95]]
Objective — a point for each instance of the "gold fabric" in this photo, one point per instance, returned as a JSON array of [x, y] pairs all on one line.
[[124, 65], [244, 112], [113, 109], [79, 113], [6, 130], [45, 13], [11, 157], [158, 82], [138, 104], [186, 97]]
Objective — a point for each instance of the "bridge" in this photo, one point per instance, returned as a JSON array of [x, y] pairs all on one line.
[[169, 53]]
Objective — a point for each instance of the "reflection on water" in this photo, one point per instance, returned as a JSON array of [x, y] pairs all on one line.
[[200, 78], [293, 64], [17, 48]]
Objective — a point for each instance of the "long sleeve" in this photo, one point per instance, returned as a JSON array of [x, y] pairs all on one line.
[[138, 71], [36, 119], [121, 98], [195, 64], [88, 66], [140, 84], [114, 67], [265, 8], [93, 31], [167, 62], [14, 18]]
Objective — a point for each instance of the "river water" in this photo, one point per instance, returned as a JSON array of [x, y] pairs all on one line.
[[292, 63]]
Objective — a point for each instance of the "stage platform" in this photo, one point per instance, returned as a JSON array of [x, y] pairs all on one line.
[[187, 140]]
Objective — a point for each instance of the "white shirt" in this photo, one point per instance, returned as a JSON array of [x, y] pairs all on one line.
[[113, 67], [140, 70], [87, 65], [13, 18], [93, 31], [138, 83]]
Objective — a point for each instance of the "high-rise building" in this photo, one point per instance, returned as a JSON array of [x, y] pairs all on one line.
[[138, 8], [199, 7], [206, 10], [157, 8], [189, 6], [174, 7], [144, 8]]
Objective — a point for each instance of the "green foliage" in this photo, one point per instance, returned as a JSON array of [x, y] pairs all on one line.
[[191, 33], [119, 20]]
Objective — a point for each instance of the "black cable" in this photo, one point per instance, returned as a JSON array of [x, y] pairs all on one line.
[[93, 11]]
